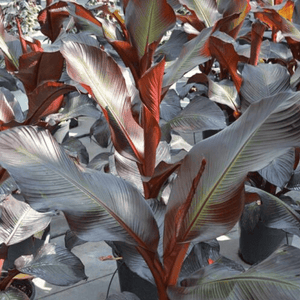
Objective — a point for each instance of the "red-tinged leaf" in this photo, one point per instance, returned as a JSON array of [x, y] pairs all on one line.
[[192, 19], [23, 43], [219, 197], [288, 10], [257, 34], [84, 19], [228, 8], [102, 77], [46, 99], [206, 11], [38, 67], [224, 52], [51, 19], [147, 22], [274, 20], [150, 91]]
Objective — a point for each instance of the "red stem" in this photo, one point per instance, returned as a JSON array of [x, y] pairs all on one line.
[[157, 272]]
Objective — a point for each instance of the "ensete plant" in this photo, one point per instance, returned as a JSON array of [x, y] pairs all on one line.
[[156, 199]]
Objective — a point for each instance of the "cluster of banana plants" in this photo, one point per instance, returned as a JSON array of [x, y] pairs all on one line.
[[155, 197]]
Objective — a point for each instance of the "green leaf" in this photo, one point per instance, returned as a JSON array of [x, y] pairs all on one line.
[[147, 21]]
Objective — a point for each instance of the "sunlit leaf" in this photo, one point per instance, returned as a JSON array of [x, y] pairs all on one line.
[[19, 221], [147, 22]]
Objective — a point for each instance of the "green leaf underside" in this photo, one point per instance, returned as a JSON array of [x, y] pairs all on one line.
[[245, 146], [97, 206]]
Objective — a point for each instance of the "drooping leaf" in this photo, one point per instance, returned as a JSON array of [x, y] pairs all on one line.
[[199, 115], [100, 162], [263, 81], [275, 213], [218, 198], [193, 53], [280, 170], [54, 264], [90, 200], [72, 240], [19, 221], [75, 148], [274, 278], [224, 92], [147, 22], [101, 76]]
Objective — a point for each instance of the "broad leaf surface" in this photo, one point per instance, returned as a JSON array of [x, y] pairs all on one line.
[[280, 170], [19, 221], [218, 198], [275, 213], [207, 11], [93, 202], [102, 77], [224, 92], [199, 115], [147, 22], [263, 81], [54, 264], [193, 53], [10, 108], [274, 278]]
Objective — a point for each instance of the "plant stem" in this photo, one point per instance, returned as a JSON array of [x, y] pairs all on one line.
[[6, 282], [157, 272]]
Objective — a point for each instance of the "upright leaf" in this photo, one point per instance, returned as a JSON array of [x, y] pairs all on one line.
[[102, 77], [147, 22], [218, 200]]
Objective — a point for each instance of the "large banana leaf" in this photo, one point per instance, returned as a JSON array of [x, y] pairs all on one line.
[[275, 278], [265, 131], [19, 221], [102, 77], [147, 22], [97, 206]]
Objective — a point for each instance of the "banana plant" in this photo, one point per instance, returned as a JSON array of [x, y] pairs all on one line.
[[159, 233]]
